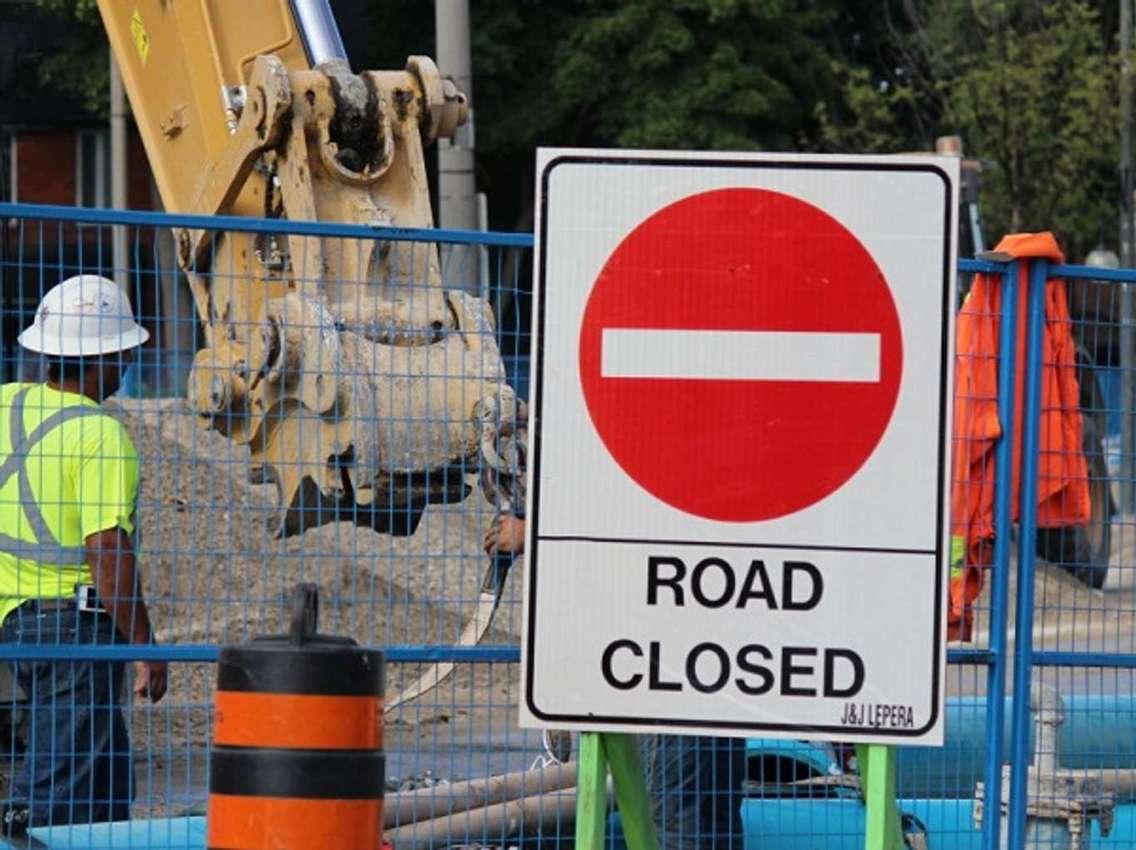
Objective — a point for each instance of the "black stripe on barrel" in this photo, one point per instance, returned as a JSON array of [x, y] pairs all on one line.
[[309, 774], [328, 669]]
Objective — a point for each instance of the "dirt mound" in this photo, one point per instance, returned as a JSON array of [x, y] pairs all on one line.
[[213, 574]]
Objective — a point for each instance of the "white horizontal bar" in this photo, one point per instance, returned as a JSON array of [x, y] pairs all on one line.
[[711, 355]]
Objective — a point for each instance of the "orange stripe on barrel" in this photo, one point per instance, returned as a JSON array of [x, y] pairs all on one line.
[[298, 721], [285, 823]]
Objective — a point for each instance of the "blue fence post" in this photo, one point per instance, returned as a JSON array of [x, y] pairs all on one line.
[[1000, 581], [1027, 543]]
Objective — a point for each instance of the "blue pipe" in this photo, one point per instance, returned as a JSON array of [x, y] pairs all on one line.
[[1027, 538], [1107, 660], [216, 223], [1098, 733], [768, 824], [397, 653], [977, 266], [1000, 580], [803, 824]]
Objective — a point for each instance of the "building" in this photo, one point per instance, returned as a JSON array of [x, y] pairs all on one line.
[[54, 150]]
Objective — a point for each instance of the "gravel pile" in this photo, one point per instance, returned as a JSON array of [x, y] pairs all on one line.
[[214, 575]]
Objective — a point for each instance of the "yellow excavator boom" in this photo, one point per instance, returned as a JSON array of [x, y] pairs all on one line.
[[358, 381]]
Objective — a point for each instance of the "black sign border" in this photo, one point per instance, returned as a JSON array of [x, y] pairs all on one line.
[[537, 413]]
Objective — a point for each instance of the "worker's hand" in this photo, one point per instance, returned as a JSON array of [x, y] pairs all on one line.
[[505, 535], [150, 680]]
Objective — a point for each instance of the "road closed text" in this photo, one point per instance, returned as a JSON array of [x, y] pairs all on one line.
[[749, 668]]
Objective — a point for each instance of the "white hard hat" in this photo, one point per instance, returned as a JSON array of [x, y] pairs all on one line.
[[84, 316]]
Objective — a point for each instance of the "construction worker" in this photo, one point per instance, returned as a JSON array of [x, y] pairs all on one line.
[[68, 484], [695, 787]]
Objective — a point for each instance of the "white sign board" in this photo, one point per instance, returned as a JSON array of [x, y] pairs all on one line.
[[739, 451]]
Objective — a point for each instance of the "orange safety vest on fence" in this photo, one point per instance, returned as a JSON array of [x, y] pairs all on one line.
[[1063, 485]]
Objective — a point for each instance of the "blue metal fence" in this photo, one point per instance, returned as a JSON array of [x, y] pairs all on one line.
[[216, 576]]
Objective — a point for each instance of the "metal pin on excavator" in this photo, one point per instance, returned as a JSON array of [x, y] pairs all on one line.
[[360, 385]]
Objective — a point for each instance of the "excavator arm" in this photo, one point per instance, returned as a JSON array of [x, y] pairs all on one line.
[[361, 386]]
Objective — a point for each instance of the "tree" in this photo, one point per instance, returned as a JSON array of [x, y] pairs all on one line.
[[1029, 84], [694, 74], [702, 74], [78, 62], [1032, 89], [1040, 101]]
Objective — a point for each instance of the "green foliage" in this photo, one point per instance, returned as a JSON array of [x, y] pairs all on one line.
[[79, 62], [1040, 102], [868, 119], [723, 74], [692, 74], [1030, 86], [85, 11]]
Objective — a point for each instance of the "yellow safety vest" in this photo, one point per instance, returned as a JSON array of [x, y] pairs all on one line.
[[44, 521], [958, 555]]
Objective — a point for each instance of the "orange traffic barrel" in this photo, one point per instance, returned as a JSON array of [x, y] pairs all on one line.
[[297, 760]]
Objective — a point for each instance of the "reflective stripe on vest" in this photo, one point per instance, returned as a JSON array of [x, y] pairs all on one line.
[[46, 548]]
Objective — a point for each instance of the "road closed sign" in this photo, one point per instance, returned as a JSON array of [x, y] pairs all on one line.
[[739, 447]]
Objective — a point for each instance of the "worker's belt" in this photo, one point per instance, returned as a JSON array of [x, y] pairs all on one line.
[[85, 601], [46, 548], [40, 606]]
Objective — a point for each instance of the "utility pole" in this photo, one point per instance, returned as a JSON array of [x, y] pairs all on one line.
[[1127, 258], [118, 175], [120, 267], [457, 192]]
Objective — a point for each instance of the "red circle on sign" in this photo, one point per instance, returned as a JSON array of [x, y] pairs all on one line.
[[764, 442]]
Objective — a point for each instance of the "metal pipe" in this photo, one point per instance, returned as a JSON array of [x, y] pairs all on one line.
[[242, 224], [457, 193], [318, 30], [1118, 781], [441, 800], [457, 187], [490, 824], [1126, 340], [1049, 715], [1000, 581], [13, 168], [1127, 260], [1027, 541], [118, 174], [179, 322], [1125, 164], [482, 251]]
